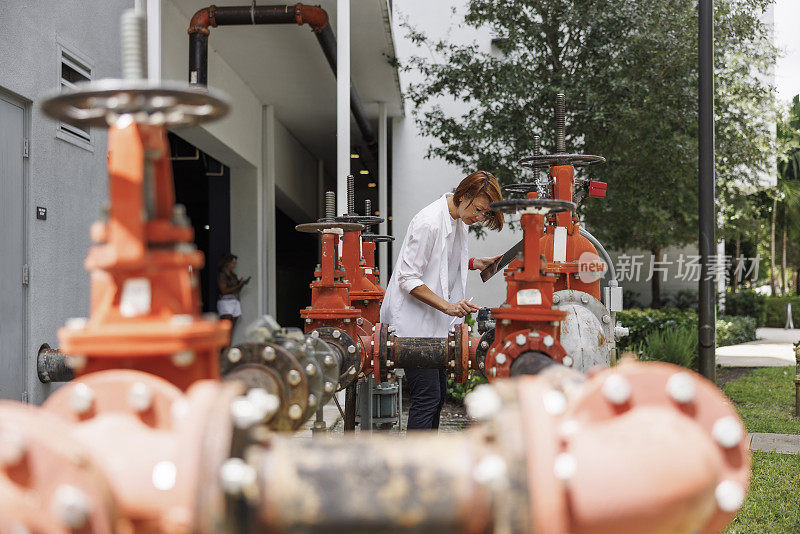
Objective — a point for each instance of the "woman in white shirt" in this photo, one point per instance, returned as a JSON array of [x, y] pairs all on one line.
[[429, 281]]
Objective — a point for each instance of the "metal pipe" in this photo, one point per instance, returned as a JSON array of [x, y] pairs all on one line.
[[198, 58], [314, 16], [417, 484], [420, 352], [350, 398], [530, 363], [706, 306], [601, 249], [51, 366]]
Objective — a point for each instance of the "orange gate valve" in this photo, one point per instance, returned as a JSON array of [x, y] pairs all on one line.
[[566, 250], [365, 294], [527, 329], [145, 303], [331, 313], [368, 240]]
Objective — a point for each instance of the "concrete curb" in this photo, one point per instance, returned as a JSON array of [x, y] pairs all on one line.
[[781, 443]]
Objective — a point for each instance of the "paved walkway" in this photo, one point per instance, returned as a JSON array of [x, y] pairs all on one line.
[[773, 348], [782, 443]]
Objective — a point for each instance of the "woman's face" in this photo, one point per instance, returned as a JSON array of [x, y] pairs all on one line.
[[231, 265], [474, 210]]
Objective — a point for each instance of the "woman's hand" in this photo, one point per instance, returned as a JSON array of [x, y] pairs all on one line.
[[480, 264], [460, 309]]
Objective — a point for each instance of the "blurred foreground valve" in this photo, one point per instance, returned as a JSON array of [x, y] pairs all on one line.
[[144, 267], [641, 448]]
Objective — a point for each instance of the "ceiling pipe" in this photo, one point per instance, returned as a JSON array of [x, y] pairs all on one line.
[[314, 16]]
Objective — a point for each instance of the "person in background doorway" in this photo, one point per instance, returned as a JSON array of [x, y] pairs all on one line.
[[429, 281], [229, 285]]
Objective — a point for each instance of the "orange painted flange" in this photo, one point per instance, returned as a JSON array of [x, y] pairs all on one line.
[[638, 448], [44, 471], [511, 349], [150, 440], [145, 306]]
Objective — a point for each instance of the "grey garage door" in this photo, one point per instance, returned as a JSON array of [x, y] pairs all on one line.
[[12, 356]]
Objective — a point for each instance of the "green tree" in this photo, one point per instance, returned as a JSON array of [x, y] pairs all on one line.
[[629, 71], [786, 204]]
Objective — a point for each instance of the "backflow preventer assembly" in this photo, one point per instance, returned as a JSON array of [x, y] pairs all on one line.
[[148, 439]]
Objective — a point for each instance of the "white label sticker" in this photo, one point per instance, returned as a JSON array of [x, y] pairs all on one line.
[[560, 244], [368, 270], [135, 298], [529, 297]]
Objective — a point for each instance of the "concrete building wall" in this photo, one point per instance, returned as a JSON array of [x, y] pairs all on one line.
[[295, 177], [417, 181], [69, 180]]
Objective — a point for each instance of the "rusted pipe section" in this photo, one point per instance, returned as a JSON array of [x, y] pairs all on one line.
[[420, 352], [52, 366], [418, 484]]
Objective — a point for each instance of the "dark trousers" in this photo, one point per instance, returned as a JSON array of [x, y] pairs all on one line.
[[428, 388]]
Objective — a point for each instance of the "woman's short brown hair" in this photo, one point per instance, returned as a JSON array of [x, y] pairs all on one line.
[[481, 183]]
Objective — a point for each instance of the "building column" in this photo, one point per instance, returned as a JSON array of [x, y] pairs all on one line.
[[153, 11], [266, 215], [383, 191], [342, 103]]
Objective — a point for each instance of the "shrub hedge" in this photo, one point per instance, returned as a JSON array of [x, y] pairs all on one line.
[[766, 310], [731, 330]]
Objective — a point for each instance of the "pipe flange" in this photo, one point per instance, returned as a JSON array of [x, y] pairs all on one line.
[[377, 238], [552, 160], [272, 367], [487, 339], [342, 342], [503, 353], [311, 371], [104, 102], [458, 353], [382, 351], [330, 362]]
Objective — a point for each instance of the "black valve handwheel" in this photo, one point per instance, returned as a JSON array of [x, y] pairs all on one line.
[[367, 220], [319, 227], [543, 206], [377, 238], [104, 102], [522, 188], [551, 160]]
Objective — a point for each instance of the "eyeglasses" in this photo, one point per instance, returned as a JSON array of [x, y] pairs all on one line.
[[482, 213]]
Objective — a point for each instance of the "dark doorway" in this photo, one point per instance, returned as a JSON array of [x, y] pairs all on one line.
[[202, 184], [295, 258]]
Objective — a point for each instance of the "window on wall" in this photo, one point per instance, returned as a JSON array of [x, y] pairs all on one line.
[[73, 71]]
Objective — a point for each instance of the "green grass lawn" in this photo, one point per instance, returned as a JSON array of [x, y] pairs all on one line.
[[765, 400], [773, 502]]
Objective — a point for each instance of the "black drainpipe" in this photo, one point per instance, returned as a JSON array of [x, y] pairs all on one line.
[[314, 16]]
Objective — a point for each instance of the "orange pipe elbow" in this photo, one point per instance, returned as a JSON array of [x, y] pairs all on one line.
[[314, 16], [202, 20]]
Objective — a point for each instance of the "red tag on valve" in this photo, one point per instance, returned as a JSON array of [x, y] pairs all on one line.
[[597, 189]]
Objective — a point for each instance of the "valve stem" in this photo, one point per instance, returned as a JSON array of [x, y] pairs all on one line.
[[561, 143], [351, 194], [133, 45], [367, 212], [330, 205]]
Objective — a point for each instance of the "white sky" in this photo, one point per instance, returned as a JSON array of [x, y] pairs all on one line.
[[787, 38]]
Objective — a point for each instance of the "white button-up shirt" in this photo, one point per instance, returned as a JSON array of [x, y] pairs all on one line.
[[423, 260]]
